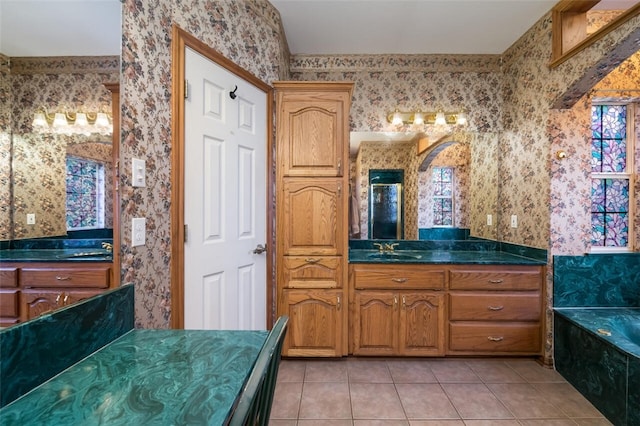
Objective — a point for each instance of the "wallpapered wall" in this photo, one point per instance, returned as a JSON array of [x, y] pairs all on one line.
[[38, 165], [5, 149], [249, 33]]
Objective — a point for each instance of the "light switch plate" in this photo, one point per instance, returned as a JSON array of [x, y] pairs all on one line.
[[514, 221], [489, 220], [138, 231], [138, 173], [31, 218]]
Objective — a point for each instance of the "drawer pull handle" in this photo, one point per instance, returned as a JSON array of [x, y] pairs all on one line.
[[58, 298], [311, 260], [399, 280], [66, 299], [59, 278], [495, 339], [498, 281], [495, 308]]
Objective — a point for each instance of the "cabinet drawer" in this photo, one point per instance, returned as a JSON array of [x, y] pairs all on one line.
[[312, 271], [498, 278], [502, 337], [495, 306], [399, 276], [8, 277], [94, 276], [9, 303]]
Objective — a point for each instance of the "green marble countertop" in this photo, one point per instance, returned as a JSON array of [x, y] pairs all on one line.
[[86, 254], [161, 377], [489, 257]]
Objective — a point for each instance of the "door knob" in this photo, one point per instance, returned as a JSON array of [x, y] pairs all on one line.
[[260, 249]]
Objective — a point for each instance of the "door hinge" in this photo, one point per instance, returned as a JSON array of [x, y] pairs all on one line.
[[186, 89], [186, 230]]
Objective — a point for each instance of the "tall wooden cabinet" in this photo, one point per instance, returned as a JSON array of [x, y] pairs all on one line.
[[312, 189]]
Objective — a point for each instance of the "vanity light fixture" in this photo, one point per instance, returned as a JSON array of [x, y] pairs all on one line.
[[431, 122], [72, 123]]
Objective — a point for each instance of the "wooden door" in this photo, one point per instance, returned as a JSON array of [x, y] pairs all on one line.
[[422, 324], [375, 323], [311, 217], [316, 322]]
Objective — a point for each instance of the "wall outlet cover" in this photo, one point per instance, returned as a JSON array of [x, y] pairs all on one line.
[[138, 231], [31, 219]]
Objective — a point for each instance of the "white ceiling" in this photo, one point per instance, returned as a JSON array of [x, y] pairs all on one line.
[[92, 27]]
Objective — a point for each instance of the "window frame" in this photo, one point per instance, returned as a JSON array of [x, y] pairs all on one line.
[[440, 197], [628, 174]]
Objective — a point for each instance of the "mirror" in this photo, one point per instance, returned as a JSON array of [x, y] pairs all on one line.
[[62, 56], [436, 204], [386, 217]]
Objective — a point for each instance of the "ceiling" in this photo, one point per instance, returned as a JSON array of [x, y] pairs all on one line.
[[92, 27]]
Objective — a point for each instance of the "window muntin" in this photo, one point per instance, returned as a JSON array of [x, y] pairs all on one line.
[[443, 180]]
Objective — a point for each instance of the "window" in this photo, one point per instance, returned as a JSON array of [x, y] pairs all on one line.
[[442, 180], [611, 177], [85, 194]]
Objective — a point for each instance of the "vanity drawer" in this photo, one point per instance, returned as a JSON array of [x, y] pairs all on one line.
[[97, 276], [312, 271], [8, 277], [492, 337], [498, 306], [404, 276], [496, 278]]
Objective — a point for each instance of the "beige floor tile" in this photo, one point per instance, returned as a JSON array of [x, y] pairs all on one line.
[[568, 399], [524, 401], [436, 423], [375, 401], [600, 421], [326, 371], [492, 422], [411, 371], [324, 422], [533, 372], [548, 422], [291, 371], [475, 401], [279, 422], [286, 400], [325, 400], [494, 371], [380, 423], [453, 371], [368, 371], [425, 401]]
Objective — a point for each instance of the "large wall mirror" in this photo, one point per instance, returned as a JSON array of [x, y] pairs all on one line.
[[57, 56], [449, 189]]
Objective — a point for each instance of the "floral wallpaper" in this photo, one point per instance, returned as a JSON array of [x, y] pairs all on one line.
[[249, 33], [509, 98], [5, 149], [38, 160]]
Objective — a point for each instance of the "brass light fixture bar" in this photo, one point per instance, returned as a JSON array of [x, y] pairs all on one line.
[[72, 122], [427, 117]]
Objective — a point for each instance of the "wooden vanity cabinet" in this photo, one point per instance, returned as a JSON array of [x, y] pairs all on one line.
[[495, 310], [398, 310], [49, 286], [312, 134], [9, 296]]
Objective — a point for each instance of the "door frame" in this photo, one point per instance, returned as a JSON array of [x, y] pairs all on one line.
[[180, 41]]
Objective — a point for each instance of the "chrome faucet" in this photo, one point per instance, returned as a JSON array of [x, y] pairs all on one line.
[[107, 246], [380, 247]]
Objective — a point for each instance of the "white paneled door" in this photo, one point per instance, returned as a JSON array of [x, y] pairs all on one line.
[[225, 199]]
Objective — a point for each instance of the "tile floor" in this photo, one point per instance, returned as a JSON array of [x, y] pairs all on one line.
[[420, 392]]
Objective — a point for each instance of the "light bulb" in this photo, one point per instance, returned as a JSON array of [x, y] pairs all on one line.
[[397, 119], [440, 120], [418, 119]]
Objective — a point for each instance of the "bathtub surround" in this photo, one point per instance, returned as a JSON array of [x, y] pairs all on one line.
[[597, 330], [35, 351]]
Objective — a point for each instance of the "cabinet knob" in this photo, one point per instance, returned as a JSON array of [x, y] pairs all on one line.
[[339, 304], [495, 339]]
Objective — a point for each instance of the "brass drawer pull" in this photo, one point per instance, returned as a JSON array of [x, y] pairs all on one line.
[[58, 299], [66, 299], [399, 280], [495, 339], [495, 308], [311, 260], [498, 281], [59, 278]]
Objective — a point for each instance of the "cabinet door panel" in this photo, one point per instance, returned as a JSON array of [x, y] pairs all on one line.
[[316, 321], [9, 302], [375, 323], [422, 324], [312, 217]]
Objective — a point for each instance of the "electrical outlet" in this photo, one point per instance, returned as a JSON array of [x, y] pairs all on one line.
[[489, 220], [31, 219], [514, 221], [138, 177], [138, 231]]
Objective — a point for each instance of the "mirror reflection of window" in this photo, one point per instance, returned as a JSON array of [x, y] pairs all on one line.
[[85, 194], [443, 212]]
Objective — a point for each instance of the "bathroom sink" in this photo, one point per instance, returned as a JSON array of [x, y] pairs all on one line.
[[394, 255]]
